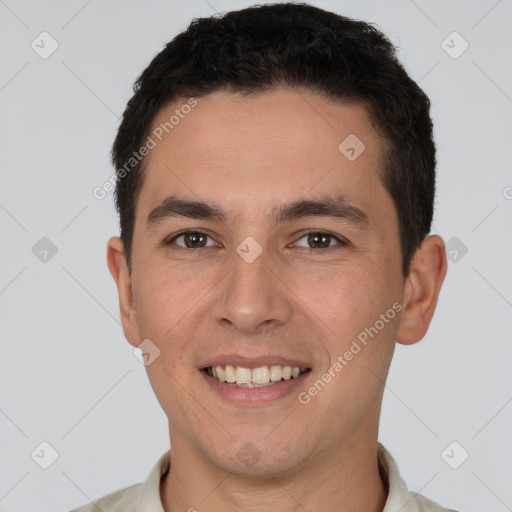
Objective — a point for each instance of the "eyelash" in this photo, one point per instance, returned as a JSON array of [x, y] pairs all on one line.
[[342, 242]]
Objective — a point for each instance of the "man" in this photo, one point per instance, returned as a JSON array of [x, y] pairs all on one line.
[[275, 185]]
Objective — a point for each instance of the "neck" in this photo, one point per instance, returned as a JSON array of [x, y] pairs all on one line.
[[346, 479]]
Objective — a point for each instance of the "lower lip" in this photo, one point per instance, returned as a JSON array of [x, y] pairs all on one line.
[[255, 396]]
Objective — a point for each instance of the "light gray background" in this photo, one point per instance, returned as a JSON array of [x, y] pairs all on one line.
[[67, 375]]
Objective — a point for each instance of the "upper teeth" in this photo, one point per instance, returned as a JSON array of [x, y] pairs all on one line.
[[264, 375]]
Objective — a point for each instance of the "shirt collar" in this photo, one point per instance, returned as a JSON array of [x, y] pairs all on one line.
[[148, 497], [399, 497]]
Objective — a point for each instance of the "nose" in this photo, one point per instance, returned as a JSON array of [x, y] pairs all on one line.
[[254, 297]]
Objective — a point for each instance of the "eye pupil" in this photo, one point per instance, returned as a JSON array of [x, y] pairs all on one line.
[[318, 238]]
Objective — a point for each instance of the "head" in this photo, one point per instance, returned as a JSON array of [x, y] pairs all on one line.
[[292, 147]]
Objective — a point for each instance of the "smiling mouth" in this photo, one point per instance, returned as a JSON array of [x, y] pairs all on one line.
[[256, 377]]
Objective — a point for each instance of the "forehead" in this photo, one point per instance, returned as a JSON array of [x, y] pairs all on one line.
[[222, 120], [275, 147]]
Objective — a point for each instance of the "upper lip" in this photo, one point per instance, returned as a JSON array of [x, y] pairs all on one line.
[[253, 362]]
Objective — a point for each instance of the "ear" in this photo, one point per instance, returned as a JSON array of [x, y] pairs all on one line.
[[116, 261], [426, 275]]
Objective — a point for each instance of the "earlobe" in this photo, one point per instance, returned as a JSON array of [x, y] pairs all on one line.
[[116, 261], [427, 272]]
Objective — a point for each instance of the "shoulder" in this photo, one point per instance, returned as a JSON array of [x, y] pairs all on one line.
[[136, 498], [123, 500], [426, 505], [399, 496]]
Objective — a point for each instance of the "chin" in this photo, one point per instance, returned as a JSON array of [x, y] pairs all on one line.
[[259, 458]]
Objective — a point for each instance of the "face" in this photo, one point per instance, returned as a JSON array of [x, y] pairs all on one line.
[[293, 260]]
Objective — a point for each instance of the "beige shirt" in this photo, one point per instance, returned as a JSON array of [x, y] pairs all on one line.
[[145, 497]]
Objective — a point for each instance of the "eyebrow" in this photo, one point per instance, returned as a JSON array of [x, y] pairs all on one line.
[[337, 207]]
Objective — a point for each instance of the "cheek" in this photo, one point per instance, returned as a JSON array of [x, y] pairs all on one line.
[[161, 300], [350, 302], [166, 305], [346, 299], [360, 343]]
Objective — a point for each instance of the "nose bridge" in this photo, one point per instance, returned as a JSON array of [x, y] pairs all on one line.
[[253, 297]]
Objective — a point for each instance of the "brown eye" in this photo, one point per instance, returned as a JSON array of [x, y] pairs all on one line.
[[191, 240], [317, 240]]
